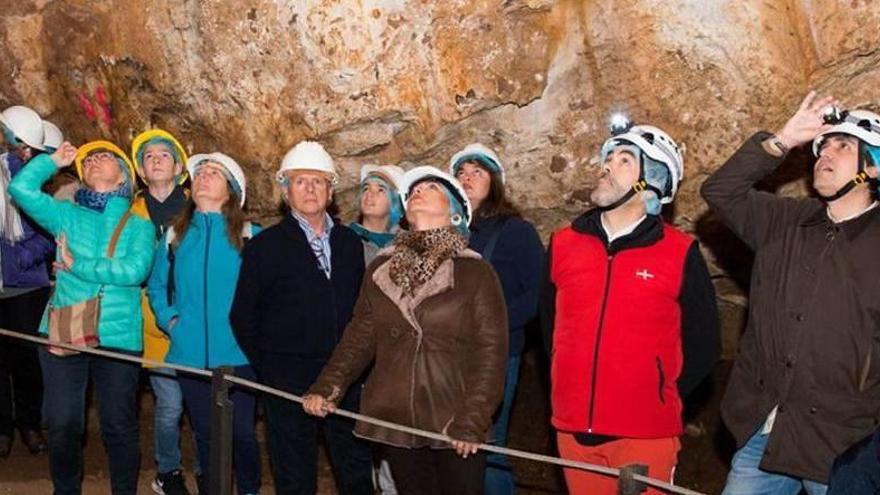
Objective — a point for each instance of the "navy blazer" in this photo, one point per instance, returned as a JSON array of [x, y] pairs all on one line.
[[286, 315]]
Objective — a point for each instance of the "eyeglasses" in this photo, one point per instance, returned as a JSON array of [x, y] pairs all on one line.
[[94, 158]]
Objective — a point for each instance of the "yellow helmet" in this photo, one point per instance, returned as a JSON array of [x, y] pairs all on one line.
[[83, 151], [145, 137]]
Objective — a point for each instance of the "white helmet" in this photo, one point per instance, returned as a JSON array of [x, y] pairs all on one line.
[[861, 124], [659, 146], [391, 173], [225, 161], [418, 174], [25, 124], [480, 153], [308, 155], [52, 136]]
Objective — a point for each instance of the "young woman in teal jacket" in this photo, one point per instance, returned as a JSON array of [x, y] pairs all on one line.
[[191, 289], [82, 230]]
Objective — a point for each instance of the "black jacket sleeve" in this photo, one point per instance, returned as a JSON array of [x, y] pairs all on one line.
[[700, 327], [547, 301], [754, 216]]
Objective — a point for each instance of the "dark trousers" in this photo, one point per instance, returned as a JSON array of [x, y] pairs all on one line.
[[245, 450], [857, 471], [428, 471], [293, 450], [116, 384], [21, 382]]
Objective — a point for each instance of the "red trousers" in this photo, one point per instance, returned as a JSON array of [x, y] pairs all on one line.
[[659, 454]]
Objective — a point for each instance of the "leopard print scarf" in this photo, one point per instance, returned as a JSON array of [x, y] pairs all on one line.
[[418, 254]]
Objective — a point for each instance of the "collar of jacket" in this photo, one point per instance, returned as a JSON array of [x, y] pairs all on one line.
[[200, 218], [481, 223], [179, 192], [292, 227], [442, 281], [853, 228], [304, 225], [380, 239], [647, 233]]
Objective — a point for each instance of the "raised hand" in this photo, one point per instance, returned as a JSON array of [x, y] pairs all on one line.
[[64, 155], [807, 122]]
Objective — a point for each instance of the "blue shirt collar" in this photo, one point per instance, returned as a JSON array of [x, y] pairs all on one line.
[[304, 224]]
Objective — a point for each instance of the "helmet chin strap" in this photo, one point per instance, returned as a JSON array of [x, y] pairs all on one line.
[[639, 186], [860, 177]]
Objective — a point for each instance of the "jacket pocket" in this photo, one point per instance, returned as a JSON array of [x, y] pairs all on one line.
[[661, 380]]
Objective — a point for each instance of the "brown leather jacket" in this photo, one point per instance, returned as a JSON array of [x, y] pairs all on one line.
[[440, 356], [812, 345]]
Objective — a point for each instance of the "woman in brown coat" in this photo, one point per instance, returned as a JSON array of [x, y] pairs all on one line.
[[432, 321]]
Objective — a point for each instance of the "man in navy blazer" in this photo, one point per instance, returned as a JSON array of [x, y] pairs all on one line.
[[296, 292]]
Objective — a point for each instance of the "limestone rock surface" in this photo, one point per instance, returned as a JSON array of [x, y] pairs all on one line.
[[412, 81]]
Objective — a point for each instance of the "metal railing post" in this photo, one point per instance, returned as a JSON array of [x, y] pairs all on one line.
[[220, 460], [627, 484]]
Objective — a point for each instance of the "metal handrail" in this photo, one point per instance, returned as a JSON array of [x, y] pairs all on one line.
[[608, 471]]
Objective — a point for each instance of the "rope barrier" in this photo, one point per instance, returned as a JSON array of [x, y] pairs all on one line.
[[668, 487]]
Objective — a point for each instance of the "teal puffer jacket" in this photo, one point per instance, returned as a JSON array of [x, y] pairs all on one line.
[[88, 234]]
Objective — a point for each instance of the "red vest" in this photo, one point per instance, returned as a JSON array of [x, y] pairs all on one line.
[[617, 335]]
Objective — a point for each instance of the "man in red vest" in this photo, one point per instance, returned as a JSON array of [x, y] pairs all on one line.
[[630, 311]]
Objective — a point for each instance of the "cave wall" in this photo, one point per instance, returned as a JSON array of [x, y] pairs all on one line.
[[395, 81]]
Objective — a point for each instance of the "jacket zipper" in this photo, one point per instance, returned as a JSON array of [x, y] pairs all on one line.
[[205, 286], [598, 340]]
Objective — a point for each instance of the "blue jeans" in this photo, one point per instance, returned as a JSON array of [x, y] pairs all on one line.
[[746, 478], [65, 380], [166, 420], [245, 449], [857, 471], [499, 474], [292, 437]]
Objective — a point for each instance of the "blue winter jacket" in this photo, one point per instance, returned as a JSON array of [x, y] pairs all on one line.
[[24, 262], [206, 269]]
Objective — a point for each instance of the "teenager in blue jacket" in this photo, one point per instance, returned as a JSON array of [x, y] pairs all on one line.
[[190, 291]]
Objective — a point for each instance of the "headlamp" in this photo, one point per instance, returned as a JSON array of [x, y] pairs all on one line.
[[619, 124]]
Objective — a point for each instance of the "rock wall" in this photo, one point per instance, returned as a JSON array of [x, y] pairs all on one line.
[[393, 81]]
